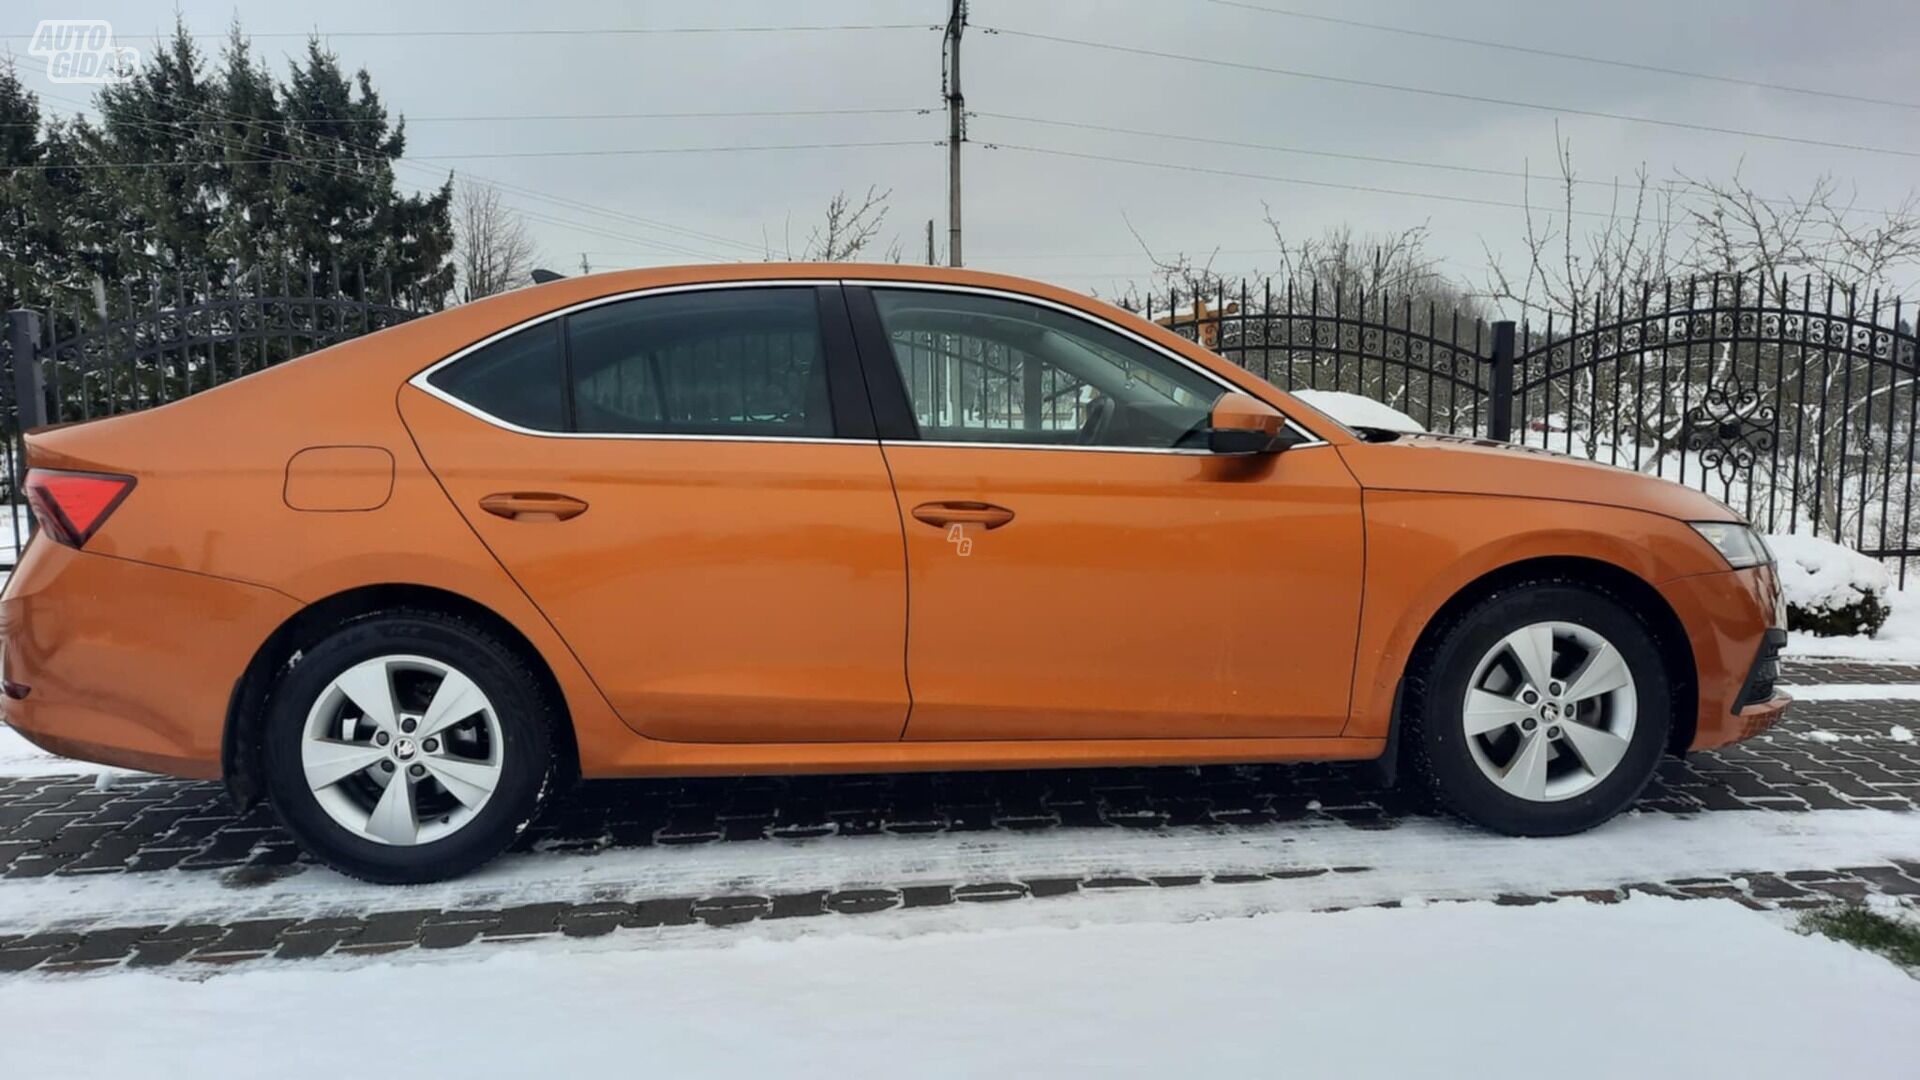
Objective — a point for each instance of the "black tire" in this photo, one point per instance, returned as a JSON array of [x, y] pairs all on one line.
[[1436, 689], [526, 718]]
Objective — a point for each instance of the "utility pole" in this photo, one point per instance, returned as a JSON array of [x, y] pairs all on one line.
[[932, 259], [956, 127], [585, 269]]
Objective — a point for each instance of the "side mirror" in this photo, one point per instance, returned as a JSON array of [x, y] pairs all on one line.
[[1242, 424]]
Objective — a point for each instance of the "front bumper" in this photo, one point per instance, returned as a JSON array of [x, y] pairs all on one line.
[[1732, 619], [127, 663]]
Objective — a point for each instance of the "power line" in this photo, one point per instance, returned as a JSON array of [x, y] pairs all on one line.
[[1452, 95], [546, 117], [582, 206], [1670, 186], [498, 154], [1584, 58], [592, 230], [533, 193], [1136, 253], [661, 245], [576, 31], [1328, 184], [1211, 141], [561, 201]]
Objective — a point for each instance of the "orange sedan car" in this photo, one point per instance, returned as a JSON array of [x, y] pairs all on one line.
[[812, 518]]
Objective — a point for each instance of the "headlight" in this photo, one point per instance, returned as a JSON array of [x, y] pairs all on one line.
[[1736, 543]]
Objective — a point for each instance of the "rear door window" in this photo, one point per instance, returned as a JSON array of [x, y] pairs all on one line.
[[746, 362]]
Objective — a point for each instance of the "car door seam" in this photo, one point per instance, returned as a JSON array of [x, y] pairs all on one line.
[[454, 505]]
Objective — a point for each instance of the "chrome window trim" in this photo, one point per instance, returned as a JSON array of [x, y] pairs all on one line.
[[957, 444], [1309, 439], [420, 378]]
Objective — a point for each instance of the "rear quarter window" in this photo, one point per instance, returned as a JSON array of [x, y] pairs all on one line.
[[517, 379]]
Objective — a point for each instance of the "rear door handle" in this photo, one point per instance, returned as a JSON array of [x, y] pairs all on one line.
[[533, 506], [942, 514]]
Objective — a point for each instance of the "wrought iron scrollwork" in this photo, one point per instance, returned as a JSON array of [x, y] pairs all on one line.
[[1730, 430]]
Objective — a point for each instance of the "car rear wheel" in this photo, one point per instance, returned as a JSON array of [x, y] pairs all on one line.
[[407, 747], [1540, 710]]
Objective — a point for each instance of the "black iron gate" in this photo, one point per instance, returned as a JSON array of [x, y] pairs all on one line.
[[1795, 404]]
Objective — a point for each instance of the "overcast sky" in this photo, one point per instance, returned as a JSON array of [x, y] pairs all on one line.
[[1065, 218]]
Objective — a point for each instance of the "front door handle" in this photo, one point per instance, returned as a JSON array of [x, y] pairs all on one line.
[[533, 506], [942, 514]]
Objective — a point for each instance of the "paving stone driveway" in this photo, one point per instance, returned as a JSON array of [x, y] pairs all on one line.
[[1829, 755]]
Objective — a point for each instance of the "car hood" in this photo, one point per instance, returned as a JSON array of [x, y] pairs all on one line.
[[1458, 465]]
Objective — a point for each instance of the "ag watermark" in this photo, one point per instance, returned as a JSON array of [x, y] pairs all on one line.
[[82, 51]]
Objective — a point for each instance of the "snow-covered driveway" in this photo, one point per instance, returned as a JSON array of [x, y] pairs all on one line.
[[1229, 920], [1650, 987]]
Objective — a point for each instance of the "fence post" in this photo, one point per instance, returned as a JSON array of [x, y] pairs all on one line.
[[1500, 409], [1030, 404], [30, 405], [29, 384]]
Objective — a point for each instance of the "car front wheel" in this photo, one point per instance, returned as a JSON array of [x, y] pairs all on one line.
[[1542, 709], [407, 747]]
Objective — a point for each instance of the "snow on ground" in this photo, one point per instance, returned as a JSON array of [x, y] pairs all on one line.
[[18, 757], [1650, 986], [1427, 858], [14, 523], [1854, 691]]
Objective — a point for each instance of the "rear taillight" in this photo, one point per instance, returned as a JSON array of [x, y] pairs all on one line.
[[71, 506]]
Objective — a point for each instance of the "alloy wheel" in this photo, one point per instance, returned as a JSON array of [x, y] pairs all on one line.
[[1549, 712], [402, 750]]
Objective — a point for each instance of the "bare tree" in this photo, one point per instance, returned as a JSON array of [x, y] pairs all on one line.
[[492, 250], [846, 229], [1179, 276], [1652, 232], [1566, 267], [1738, 231], [1395, 266], [1278, 323], [1355, 265], [1701, 281]]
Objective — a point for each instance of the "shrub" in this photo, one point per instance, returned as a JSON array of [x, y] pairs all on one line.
[[1831, 590]]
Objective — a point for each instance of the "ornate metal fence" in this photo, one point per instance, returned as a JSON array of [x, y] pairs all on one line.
[[1426, 362], [1795, 403], [159, 341]]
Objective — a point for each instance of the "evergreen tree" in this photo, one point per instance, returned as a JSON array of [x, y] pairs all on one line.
[[343, 210], [38, 229], [214, 172], [22, 240], [165, 193], [251, 133]]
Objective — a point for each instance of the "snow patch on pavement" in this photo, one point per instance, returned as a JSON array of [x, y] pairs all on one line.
[[1853, 691], [1820, 735], [1698, 989], [1431, 858], [18, 757]]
